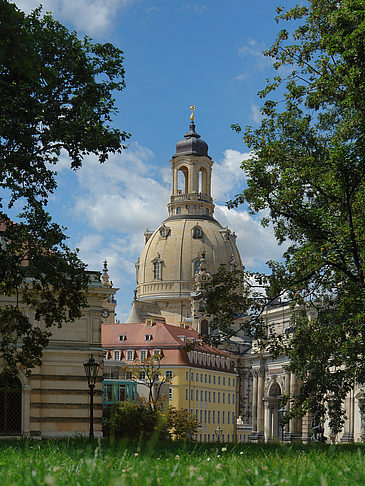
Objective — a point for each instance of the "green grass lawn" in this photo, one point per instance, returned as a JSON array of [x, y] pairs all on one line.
[[80, 462]]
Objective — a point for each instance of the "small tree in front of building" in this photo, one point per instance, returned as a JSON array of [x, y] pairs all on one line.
[[148, 373]]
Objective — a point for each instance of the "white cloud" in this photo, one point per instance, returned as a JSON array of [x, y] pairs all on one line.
[[194, 7], [89, 16], [255, 115], [121, 195], [228, 176], [254, 50], [256, 244]]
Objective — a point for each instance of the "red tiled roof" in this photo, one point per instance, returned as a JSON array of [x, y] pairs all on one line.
[[166, 337]]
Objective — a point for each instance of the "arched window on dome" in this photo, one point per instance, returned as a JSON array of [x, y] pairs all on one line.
[[178, 210], [157, 270], [197, 232], [196, 266], [157, 267]]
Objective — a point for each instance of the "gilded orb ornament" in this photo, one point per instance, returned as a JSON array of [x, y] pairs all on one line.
[[192, 117]]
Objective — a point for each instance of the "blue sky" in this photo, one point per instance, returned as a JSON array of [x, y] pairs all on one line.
[[177, 54]]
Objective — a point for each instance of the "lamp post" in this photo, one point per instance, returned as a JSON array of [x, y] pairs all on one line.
[[218, 433], [91, 370]]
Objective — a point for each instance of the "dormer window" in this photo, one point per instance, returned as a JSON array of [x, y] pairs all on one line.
[[197, 232], [122, 337], [164, 231], [148, 337]]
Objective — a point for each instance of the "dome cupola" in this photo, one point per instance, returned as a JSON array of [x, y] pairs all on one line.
[[192, 144]]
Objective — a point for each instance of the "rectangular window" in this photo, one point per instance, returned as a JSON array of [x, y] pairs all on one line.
[[143, 355], [197, 395], [186, 394], [186, 375], [197, 414], [223, 397], [213, 379], [170, 393], [219, 380], [205, 378], [219, 397], [201, 395], [233, 381], [224, 381], [232, 417], [213, 416], [208, 437], [233, 398], [142, 375], [218, 416], [208, 416], [213, 397], [169, 374], [201, 416], [130, 355], [228, 398], [223, 416], [209, 396], [210, 379], [205, 416], [117, 355], [197, 377], [201, 377], [228, 417], [229, 381], [206, 396], [192, 394], [227, 437], [192, 376], [128, 375]]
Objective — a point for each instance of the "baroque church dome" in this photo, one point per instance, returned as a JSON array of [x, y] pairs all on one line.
[[171, 259]]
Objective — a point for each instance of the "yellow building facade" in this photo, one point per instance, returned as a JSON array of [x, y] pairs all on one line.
[[201, 380]]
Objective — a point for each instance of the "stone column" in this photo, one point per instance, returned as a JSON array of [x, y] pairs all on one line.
[[268, 420], [361, 402], [260, 403], [287, 392], [348, 433], [295, 424], [254, 400]]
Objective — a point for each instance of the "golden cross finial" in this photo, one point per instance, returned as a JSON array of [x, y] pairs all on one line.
[[192, 117]]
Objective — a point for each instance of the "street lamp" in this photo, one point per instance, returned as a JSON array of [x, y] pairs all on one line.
[[218, 433], [91, 370]]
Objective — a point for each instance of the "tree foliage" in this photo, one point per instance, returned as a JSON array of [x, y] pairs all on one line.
[[307, 172], [148, 373], [55, 97]]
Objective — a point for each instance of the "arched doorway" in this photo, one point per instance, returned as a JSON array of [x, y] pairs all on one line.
[[10, 406], [272, 402]]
